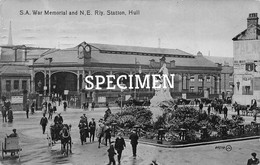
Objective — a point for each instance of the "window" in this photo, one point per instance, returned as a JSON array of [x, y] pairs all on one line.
[[192, 78], [208, 79], [8, 85], [24, 84], [231, 76], [199, 89], [200, 78], [191, 88], [16, 84]]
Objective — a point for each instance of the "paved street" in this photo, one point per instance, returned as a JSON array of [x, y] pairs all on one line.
[[36, 150]]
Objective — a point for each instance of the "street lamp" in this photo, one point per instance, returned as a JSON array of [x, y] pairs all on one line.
[[49, 60], [122, 90]]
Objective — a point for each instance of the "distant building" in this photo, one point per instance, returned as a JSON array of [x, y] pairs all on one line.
[[14, 80], [227, 77], [246, 47]]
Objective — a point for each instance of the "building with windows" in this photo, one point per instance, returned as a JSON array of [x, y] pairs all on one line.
[[246, 47], [62, 72], [227, 77], [14, 80]]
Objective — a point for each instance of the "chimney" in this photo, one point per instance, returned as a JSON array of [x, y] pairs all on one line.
[[252, 19]]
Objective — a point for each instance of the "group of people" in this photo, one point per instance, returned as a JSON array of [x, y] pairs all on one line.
[[86, 129], [85, 106], [119, 145], [103, 132], [7, 112], [49, 107]]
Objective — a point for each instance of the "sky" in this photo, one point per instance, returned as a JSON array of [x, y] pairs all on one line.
[[207, 26]]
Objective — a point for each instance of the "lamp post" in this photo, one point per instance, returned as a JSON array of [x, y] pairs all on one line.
[[122, 90], [49, 63]]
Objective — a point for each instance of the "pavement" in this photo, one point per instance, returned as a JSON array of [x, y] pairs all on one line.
[[36, 150]]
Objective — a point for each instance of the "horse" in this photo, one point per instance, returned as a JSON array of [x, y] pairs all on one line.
[[243, 108], [66, 139]]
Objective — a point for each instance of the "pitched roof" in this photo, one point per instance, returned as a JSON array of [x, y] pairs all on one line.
[[252, 32], [8, 53], [151, 50], [14, 70], [109, 54], [221, 60]]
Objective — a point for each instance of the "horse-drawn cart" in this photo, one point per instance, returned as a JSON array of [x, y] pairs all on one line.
[[60, 132], [11, 144]]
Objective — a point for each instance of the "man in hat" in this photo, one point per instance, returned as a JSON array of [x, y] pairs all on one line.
[[43, 123], [253, 160], [134, 141], [27, 105], [14, 134], [100, 132], [92, 128], [58, 119], [119, 146]]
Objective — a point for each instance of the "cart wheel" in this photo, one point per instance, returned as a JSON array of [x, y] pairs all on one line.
[[67, 149], [3, 151], [18, 155]]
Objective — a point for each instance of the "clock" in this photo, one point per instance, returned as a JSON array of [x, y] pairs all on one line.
[[87, 48]]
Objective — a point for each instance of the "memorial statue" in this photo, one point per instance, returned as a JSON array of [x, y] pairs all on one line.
[[161, 94]]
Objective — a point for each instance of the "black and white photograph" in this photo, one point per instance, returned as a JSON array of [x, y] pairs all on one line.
[[129, 82]]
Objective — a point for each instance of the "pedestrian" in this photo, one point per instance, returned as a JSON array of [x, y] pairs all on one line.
[[92, 106], [50, 110], [92, 128], [107, 114], [10, 115], [32, 107], [108, 132], [65, 105], [27, 105], [14, 134], [43, 123], [209, 108], [119, 146], [83, 106], [82, 132], [58, 119], [134, 141], [253, 160], [4, 113], [100, 132], [54, 107], [87, 105], [59, 101], [225, 111], [200, 107], [111, 154], [44, 109]]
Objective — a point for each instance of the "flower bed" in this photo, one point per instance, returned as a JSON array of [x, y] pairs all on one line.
[[181, 125]]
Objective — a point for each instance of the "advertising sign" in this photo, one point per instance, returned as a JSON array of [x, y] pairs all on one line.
[[17, 99]]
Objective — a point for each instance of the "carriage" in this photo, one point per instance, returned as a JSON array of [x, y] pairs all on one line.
[[11, 144], [60, 132]]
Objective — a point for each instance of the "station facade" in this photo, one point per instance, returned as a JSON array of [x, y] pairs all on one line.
[[62, 72]]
